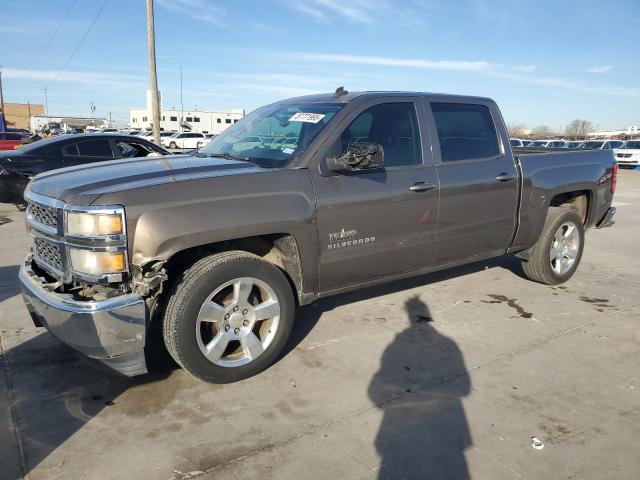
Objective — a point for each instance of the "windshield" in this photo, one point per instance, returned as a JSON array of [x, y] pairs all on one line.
[[631, 144], [272, 135], [591, 145]]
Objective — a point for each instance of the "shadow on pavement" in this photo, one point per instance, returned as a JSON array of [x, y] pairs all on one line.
[[9, 282], [419, 387], [58, 390]]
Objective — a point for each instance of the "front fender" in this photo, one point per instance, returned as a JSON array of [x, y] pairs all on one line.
[[163, 220]]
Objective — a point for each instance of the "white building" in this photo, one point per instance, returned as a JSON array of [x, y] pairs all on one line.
[[631, 132], [39, 121], [176, 120]]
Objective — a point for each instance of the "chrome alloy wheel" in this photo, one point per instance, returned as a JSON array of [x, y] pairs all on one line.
[[237, 322], [564, 248]]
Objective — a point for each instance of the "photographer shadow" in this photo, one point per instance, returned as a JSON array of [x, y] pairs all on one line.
[[419, 387]]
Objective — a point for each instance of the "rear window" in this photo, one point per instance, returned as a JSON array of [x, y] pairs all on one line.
[[465, 131]]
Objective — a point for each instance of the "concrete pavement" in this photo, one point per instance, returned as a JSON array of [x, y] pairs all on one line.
[[444, 376]]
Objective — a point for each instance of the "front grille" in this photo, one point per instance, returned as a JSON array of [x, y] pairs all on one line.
[[48, 253], [43, 214]]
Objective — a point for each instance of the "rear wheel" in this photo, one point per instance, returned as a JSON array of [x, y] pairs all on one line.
[[173, 145], [556, 255], [229, 317]]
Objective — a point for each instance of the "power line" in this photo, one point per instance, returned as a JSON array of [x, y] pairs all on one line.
[[46, 46], [86, 34]]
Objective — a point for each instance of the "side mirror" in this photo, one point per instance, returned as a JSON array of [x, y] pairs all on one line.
[[359, 156]]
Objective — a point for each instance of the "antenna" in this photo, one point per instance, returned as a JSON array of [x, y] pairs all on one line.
[[340, 91]]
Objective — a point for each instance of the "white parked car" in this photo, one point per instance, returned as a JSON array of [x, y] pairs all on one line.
[[629, 154], [184, 140], [602, 144], [540, 143], [556, 144]]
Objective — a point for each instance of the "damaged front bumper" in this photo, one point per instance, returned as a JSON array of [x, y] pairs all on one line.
[[112, 331]]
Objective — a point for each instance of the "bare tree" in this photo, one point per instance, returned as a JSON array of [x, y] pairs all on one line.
[[516, 130], [542, 131], [579, 128]]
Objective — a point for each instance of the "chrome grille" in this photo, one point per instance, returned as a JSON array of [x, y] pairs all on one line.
[[43, 214], [48, 253]]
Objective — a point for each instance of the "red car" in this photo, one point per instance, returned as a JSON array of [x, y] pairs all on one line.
[[11, 140]]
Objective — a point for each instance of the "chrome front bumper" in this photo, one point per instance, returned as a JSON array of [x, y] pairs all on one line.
[[112, 331]]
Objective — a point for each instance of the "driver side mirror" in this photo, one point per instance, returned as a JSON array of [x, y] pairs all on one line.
[[358, 157]]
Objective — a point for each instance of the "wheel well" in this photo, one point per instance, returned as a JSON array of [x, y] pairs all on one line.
[[278, 249], [578, 201]]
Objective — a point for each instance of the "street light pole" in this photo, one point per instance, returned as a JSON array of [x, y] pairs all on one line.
[[153, 75]]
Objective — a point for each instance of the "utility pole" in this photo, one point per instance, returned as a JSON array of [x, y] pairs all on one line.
[[153, 74], [46, 105], [1, 94], [181, 102]]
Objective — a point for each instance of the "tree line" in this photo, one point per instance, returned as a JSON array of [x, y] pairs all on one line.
[[577, 128]]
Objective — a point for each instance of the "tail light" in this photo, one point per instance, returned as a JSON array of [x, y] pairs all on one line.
[[614, 177]]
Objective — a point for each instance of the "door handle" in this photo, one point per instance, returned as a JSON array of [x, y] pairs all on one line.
[[505, 177], [422, 187]]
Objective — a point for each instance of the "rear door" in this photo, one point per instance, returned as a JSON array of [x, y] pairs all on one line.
[[373, 224], [478, 179], [87, 151]]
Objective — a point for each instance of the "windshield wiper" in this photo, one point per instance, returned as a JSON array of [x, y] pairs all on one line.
[[227, 156]]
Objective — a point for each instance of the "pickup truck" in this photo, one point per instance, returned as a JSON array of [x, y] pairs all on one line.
[[222, 245]]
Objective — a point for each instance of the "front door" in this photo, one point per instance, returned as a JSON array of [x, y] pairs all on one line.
[[373, 224]]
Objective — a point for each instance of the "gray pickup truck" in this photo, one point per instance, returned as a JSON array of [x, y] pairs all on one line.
[[302, 199]]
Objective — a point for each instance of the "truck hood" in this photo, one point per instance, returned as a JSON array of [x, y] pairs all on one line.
[[82, 184]]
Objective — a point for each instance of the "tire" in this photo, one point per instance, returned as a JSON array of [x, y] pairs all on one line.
[[198, 145], [544, 267], [193, 296], [173, 145]]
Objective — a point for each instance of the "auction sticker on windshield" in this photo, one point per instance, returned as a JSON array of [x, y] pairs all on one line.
[[307, 117]]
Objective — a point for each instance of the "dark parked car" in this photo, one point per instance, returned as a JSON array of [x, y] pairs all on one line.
[[18, 166]]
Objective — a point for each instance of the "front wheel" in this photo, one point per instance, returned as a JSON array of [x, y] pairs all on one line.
[[556, 255], [229, 317], [173, 145]]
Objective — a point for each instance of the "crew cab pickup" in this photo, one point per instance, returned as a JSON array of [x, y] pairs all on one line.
[[222, 245]]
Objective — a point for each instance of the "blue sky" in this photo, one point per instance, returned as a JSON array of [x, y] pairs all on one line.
[[544, 62]]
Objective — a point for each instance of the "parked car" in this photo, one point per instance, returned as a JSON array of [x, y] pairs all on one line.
[[612, 144], [184, 140], [11, 140], [556, 144], [516, 142], [628, 155], [592, 145], [220, 246], [19, 130], [19, 166], [539, 144], [573, 144]]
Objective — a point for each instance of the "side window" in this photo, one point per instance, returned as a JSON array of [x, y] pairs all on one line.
[[392, 125], [465, 131], [131, 149], [95, 148], [70, 150]]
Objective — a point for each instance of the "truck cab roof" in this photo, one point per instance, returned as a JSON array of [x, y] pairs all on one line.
[[352, 96]]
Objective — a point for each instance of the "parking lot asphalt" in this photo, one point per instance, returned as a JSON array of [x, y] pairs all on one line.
[[445, 376]]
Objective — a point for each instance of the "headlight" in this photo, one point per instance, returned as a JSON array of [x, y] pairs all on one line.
[[97, 263], [90, 224]]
